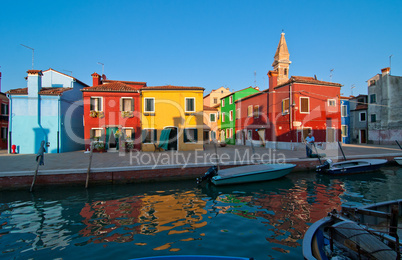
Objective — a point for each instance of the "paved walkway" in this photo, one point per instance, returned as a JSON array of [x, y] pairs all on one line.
[[77, 162]]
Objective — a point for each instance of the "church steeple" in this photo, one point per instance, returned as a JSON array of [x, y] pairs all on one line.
[[281, 60]]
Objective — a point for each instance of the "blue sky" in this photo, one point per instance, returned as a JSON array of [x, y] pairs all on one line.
[[200, 43]]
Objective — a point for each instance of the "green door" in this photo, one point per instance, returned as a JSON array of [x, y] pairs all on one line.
[[111, 141]]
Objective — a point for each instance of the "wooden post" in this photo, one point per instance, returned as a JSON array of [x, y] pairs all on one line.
[[340, 146], [89, 166], [217, 157], [36, 173]]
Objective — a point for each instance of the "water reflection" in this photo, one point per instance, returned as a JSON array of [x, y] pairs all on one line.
[[269, 217]]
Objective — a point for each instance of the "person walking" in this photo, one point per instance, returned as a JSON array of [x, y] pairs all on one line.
[[309, 142]]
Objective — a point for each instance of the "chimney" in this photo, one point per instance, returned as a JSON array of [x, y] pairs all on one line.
[[385, 71], [257, 88], [273, 80], [34, 82], [96, 79]]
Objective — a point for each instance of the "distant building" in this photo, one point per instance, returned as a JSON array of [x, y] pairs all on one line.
[[358, 119], [214, 98], [345, 119], [384, 113], [299, 105], [3, 119], [49, 109]]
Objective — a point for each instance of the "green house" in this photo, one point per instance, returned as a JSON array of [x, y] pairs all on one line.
[[228, 113]]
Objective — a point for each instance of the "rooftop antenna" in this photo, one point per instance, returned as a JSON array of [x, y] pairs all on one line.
[[330, 74], [255, 79], [390, 56], [32, 53], [71, 73], [351, 89], [103, 67]]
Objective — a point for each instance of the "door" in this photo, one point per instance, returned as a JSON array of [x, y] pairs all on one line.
[[172, 145], [111, 141], [362, 136], [331, 134], [261, 135]]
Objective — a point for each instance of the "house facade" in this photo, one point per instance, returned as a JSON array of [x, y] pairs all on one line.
[[210, 124], [49, 109], [3, 119], [112, 116], [214, 98], [172, 115], [299, 105], [345, 120], [252, 123], [228, 113], [384, 116], [358, 119]]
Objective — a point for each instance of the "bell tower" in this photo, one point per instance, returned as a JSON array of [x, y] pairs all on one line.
[[281, 61]]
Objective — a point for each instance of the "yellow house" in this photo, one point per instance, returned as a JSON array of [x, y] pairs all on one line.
[[172, 118]]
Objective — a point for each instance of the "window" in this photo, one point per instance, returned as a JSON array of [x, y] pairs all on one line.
[[223, 117], [344, 129], [304, 105], [128, 133], [231, 115], [373, 98], [360, 101], [212, 117], [149, 104], [249, 135], [190, 104], [215, 101], [231, 133], [372, 82], [238, 113], [344, 111], [96, 104], [331, 102], [149, 136], [4, 131], [127, 104], [362, 116], [96, 133], [285, 71], [231, 100], [223, 103], [190, 135], [250, 111], [285, 106], [227, 133], [4, 109], [256, 111], [373, 118]]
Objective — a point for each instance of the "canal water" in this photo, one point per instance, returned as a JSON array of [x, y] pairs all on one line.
[[264, 220]]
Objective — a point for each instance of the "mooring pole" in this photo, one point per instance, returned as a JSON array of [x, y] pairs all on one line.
[[36, 173], [89, 166], [217, 157], [398, 144], [340, 146]]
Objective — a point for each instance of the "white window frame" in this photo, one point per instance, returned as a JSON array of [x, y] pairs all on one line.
[[250, 111], [329, 102], [227, 133], [145, 105], [308, 109], [96, 128], [231, 115], [125, 128], [195, 137], [122, 104], [230, 100], [285, 111], [185, 104], [223, 117], [223, 102], [230, 132], [346, 110], [360, 116], [344, 133], [90, 104]]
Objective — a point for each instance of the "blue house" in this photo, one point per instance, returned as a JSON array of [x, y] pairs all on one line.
[[345, 120], [49, 109]]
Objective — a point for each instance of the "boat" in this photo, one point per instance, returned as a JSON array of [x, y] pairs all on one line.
[[351, 166], [336, 236], [398, 160], [193, 257], [245, 174]]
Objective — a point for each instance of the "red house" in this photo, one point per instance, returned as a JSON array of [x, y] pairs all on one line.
[[252, 121], [112, 115]]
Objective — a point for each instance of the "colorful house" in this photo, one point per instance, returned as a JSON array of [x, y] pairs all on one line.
[[252, 123], [228, 113], [172, 117], [3, 119], [49, 109], [112, 115], [299, 105], [345, 120], [358, 119]]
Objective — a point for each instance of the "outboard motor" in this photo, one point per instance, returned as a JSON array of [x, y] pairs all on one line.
[[325, 166], [208, 175]]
